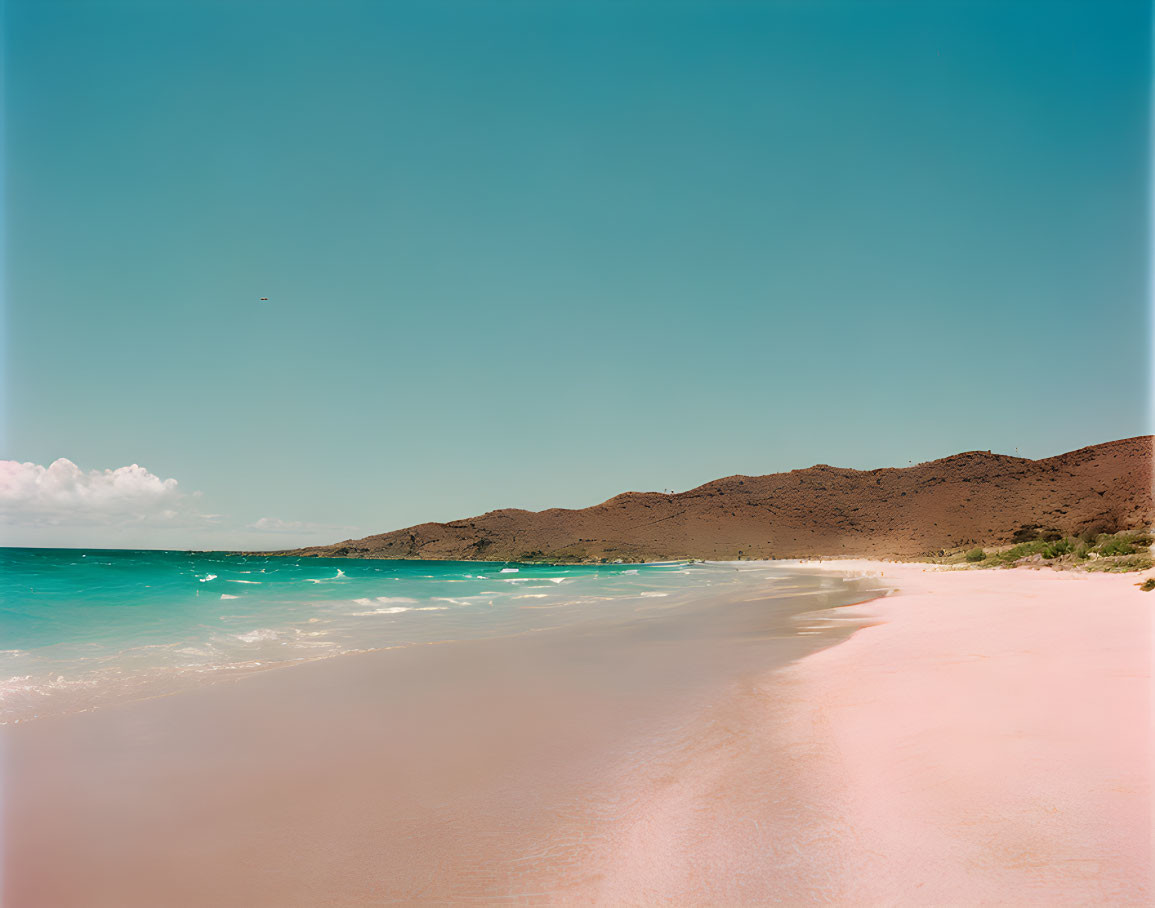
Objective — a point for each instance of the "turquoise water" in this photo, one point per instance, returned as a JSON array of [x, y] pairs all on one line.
[[83, 628]]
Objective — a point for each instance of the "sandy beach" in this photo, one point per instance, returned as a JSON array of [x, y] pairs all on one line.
[[983, 737], [577, 454], [996, 744], [987, 740]]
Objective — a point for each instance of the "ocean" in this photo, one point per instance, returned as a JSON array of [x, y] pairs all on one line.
[[412, 731], [84, 628]]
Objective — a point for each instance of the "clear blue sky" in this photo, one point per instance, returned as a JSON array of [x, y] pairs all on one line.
[[536, 253]]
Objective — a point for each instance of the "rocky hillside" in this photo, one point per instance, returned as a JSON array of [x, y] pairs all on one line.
[[976, 498]]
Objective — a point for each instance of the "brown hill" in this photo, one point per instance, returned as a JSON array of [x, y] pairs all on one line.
[[972, 498]]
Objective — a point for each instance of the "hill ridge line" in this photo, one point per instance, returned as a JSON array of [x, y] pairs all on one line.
[[971, 498]]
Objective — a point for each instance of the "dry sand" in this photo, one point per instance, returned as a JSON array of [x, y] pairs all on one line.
[[986, 740]]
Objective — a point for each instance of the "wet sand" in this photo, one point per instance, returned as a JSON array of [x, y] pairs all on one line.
[[494, 771], [985, 738]]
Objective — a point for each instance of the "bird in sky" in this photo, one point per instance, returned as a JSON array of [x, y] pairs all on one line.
[[264, 299]]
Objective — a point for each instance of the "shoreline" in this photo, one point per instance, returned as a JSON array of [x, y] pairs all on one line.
[[476, 769], [984, 738], [114, 688], [968, 737]]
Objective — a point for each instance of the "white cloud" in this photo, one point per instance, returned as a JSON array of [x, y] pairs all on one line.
[[276, 525], [128, 507], [62, 494]]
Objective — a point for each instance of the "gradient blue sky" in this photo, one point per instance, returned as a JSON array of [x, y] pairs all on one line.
[[536, 253]]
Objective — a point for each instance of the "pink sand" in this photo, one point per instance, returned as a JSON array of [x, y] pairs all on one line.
[[987, 742]]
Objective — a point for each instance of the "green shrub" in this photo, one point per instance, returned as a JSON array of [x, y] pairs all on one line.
[[1147, 585], [1023, 549], [1014, 553], [1121, 564], [1122, 543], [976, 555], [1115, 546], [1058, 548]]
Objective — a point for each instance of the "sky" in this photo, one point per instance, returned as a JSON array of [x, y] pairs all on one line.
[[533, 254]]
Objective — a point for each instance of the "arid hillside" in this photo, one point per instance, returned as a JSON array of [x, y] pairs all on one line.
[[976, 498]]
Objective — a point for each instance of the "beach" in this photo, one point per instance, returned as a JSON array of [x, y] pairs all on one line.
[[986, 739], [976, 737], [577, 454]]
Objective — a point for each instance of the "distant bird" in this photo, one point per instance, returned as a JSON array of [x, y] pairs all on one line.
[[264, 299]]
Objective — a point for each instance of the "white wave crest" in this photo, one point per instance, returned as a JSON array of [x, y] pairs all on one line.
[[255, 636], [340, 575], [391, 610]]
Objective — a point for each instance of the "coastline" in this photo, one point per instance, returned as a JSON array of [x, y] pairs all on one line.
[[458, 770], [981, 737], [984, 739]]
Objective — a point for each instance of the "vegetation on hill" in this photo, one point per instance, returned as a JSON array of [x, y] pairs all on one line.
[[1130, 551]]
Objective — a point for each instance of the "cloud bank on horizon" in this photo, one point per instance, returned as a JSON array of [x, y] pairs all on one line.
[[62, 493], [62, 504]]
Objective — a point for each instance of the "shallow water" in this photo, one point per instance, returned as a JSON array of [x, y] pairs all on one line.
[[513, 762], [85, 628]]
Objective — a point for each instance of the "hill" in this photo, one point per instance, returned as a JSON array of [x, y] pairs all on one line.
[[975, 498]]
